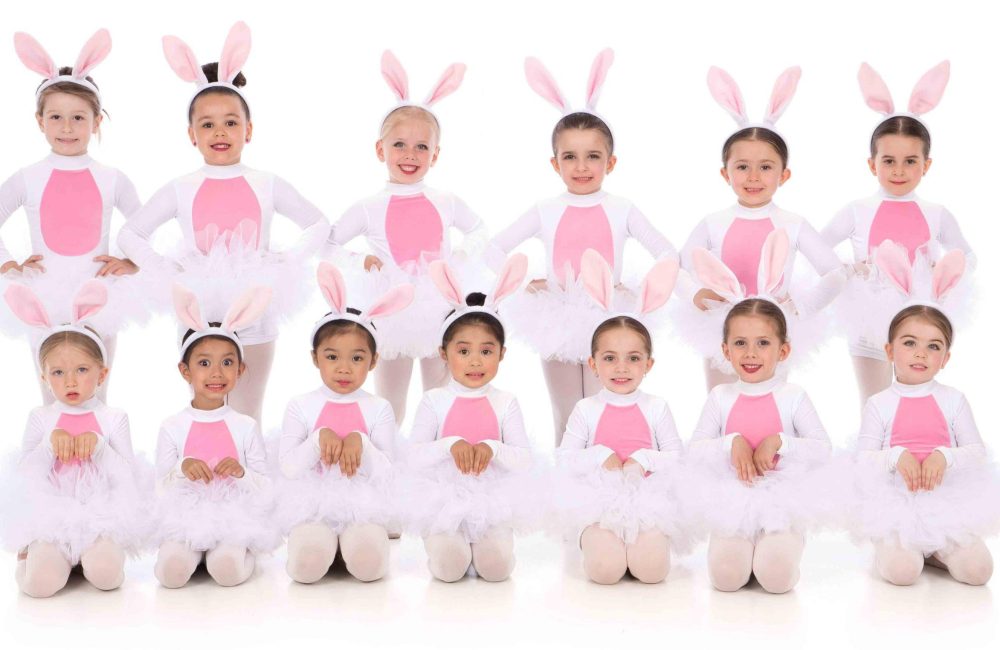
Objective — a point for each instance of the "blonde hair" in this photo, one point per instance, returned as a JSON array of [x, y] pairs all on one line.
[[929, 315], [404, 113], [81, 342], [76, 90]]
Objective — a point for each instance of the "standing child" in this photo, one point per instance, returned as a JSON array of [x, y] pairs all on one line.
[[899, 157], [406, 226]]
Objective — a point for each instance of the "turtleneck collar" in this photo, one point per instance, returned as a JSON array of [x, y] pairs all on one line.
[[885, 196], [617, 399], [69, 162], [404, 189], [87, 406], [762, 212], [334, 396], [914, 390], [583, 200], [464, 391], [224, 171], [213, 415], [760, 388]]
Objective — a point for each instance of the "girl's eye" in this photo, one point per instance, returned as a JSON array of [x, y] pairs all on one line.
[[738, 344], [358, 358], [227, 362], [398, 145], [634, 358], [207, 125], [609, 358], [595, 156], [766, 168], [331, 357], [934, 346], [741, 167], [464, 352], [487, 353], [203, 363], [57, 373], [82, 370], [423, 147], [231, 123], [765, 343], [568, 156], [908, 344]]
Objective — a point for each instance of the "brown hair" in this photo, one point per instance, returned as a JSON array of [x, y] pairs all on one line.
[[490, 322], [763, 309], [930, 315], [77, 340], [757, 134], [623, 322], [905, 126], [186, 357], [584, 122], [211, 71], [409, 113], [343, 326]]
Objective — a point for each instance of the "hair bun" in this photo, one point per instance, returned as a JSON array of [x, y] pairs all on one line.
[[475, 299]]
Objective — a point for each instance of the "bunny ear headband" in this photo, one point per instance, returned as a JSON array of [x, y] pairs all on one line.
[[90, 299], [331, 284], [395, 75], [508, 282], [35, 58], [246, 309], [718, 277], [925, 96], [727, 94], [654, 292], [916, 282], [543, 83], [235, 51]]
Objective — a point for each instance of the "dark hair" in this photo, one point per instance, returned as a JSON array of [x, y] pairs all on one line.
[[79, 341], [343, 326], [905, 126], [758, 134], [625, 322], [482, 319], [758, 307], [70, 88], [211, 71], [584, 122], [931, 315], [186, 358]]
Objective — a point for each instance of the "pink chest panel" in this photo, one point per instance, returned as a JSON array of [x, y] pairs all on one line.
[[623, 430], [754, 417], [210, 442], [413, 228], [901, 222], [741, 249], [581, 228], [74, 424], [342, 418], [919, 426], [71, 212], [222, 207], [472, 419]]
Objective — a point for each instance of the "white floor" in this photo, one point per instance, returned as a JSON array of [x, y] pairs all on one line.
[[548, 602]]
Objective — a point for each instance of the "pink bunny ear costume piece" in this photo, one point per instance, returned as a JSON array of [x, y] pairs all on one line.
[[544, 84], [244, 311], [658, 285], [398, 81], [925, 97], [508, 282], [726, 93], [235, 52], [36, 59], [894, 262], [655, 291], [89, 300], [773, 257], [331, 285]]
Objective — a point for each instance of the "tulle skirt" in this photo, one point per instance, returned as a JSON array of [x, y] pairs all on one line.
[[327, 496]]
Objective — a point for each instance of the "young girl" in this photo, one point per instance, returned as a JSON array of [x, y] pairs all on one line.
[[755, 165], [337, 445], [75, 499], [583, 217], [759, 444], [900, 149], [406, 225], [68, 197], [620, 449], [925, 493], [226, 208], [210, 460], [469, 449]]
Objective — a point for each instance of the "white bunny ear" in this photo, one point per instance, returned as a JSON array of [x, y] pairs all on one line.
[[235, 51], [34, 56], [542, 82], [447, 84], [26, 306], [247, 308], [715, 275], [395, 300], [873, 89], [727, 94], [395, 76], [894, 262], [597, 278], [95, 50], [773, 257], [658, 285], [928, 91], [510, 278], [331, 285], [187, 308], [781, 95], [446, 282], [947, 273], [183, 61], [89, 300], [598, 72]]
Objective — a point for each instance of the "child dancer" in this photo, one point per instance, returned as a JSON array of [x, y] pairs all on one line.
[[900, 149], [337, 445], [210, 460], [469, 449], [406, 225], [225, 208], [620, 450], [755, 165], [585, 216], [925, 491], [75, 499], [68, 197]]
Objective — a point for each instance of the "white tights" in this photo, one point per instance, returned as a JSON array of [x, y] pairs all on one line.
[[392, 380], [44, 569], [568, 383], [248, 396], [228, 565], [773, 560], [873, 376], [449, 556], [313, 547], [606, 557], [970, 564]]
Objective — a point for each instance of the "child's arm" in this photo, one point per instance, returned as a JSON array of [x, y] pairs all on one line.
[[113, 452], [134, 236], [826, 263], [642, 230], [168, 458], [951, 237], [425, 447], [12, 195], [526, 227], [298, 447], [969, 448], [381, 440], [809, 440], [315, 227], [255, 470], [668, 443], [36, 448], [573, 451], [476, 233], [873, 431], [707, 439], [351, 224], [513, 450], [840, 227]]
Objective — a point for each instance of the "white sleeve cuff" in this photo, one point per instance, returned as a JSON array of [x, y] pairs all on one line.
[[949, 455], [494, 446], [640, 456], [784, 442], [894, 454], [727, 442]]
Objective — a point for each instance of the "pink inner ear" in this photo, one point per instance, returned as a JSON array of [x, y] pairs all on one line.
[[26, 305], [928, 91], [773, 257], [395, 76], [182, 60], [784, 90], [542, 83], [331, 285], [247, 308], [187, 308], [235, 51], [947, 273], [447, 84], [893, 260], [94, 51], [395, 300], [714, 275], [726, 93], [597, 280], [89, 300], [598, 73], [446, 282], [511, 277], [658, 285], [34, 56], [874, 90]]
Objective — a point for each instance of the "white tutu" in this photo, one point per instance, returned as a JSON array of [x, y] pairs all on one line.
[[326, 496], [964, 507]]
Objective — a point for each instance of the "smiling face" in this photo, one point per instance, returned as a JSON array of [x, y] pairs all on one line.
[[755, 172], [409, 149], [344, 360], [621, 359], [754, 348], [918, 351], [899, 163], [473, 355], [72, 374], [219, 128], [68, 121], [213, 368], [582, 160]]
